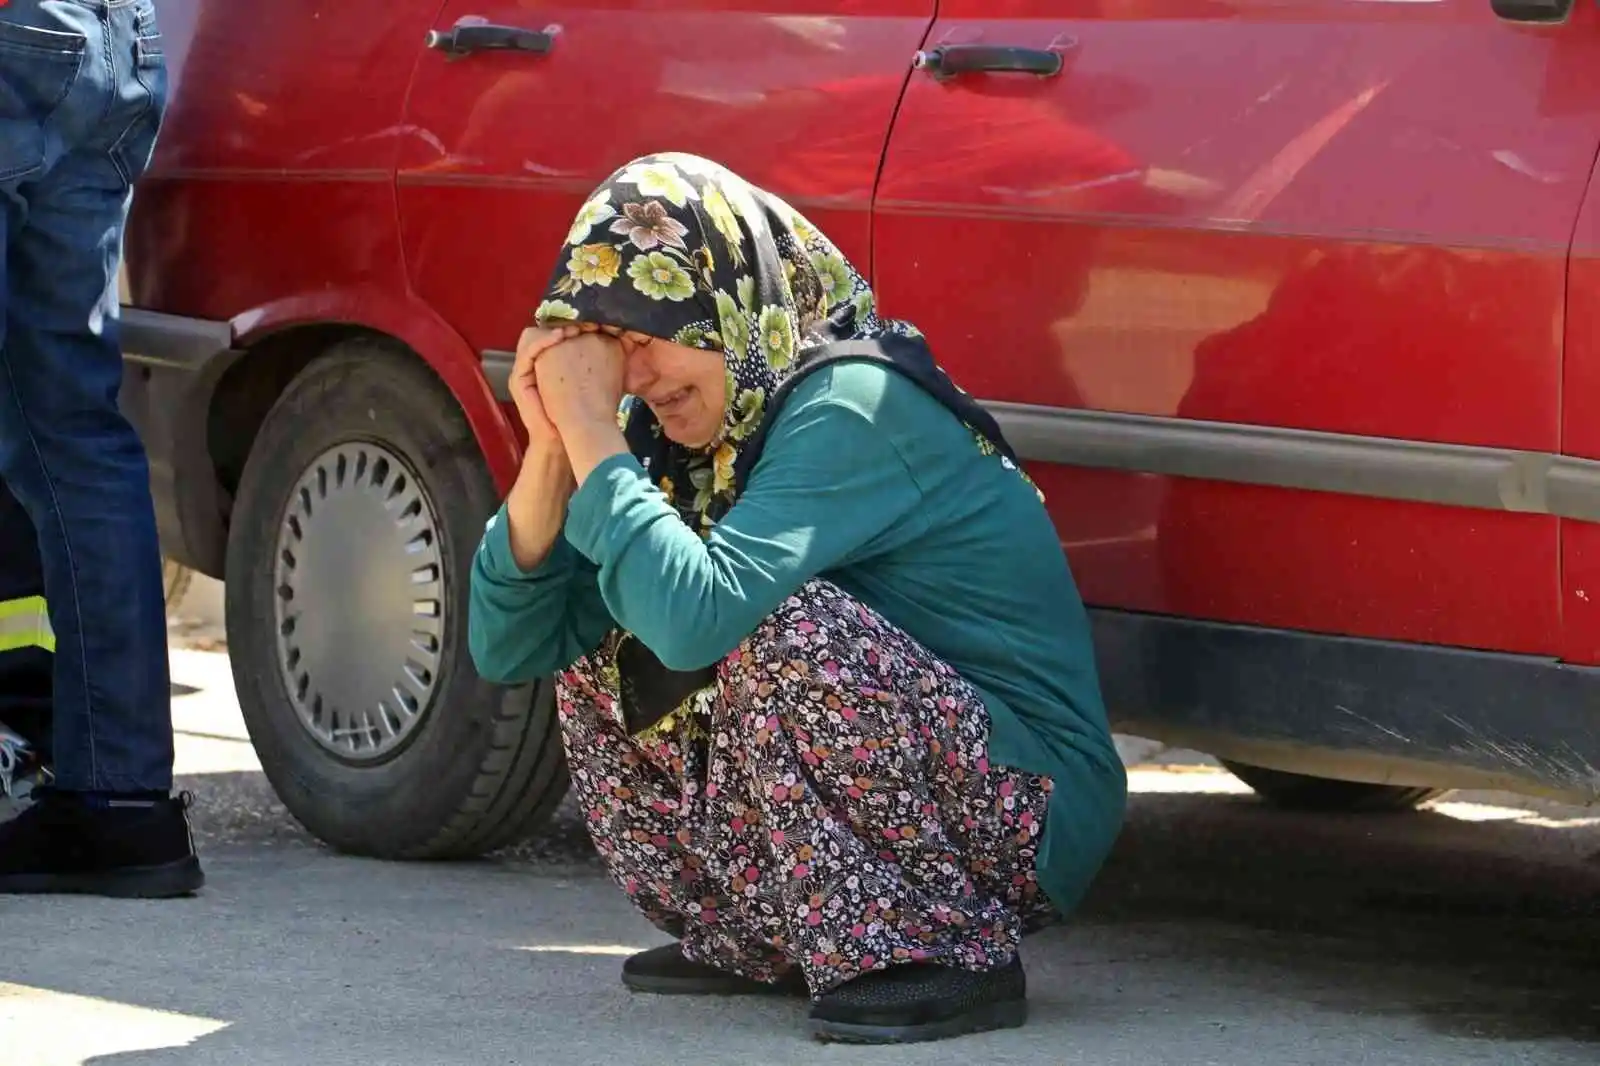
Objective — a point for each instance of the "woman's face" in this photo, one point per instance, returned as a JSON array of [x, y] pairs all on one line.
[[686, 388]]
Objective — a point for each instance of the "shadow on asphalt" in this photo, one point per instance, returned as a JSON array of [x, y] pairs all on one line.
[[1481, 929], [1485, 930]]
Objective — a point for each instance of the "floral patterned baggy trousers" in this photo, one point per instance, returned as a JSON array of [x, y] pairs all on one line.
[[832, 808]]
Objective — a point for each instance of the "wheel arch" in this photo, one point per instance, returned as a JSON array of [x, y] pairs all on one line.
[[230, 398], [405, 321]]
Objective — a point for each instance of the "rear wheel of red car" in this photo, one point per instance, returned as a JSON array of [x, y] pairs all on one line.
[[1301, 793], [349, 551]]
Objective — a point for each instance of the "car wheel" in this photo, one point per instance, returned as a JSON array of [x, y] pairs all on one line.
[[1299, 792], [349, 552]]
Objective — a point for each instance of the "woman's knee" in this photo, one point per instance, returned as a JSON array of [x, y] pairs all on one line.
[[815, 614]]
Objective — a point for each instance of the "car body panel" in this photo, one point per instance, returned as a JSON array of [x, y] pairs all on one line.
[[798, 95], [270, 203], [1580, 541], [1347, 217]]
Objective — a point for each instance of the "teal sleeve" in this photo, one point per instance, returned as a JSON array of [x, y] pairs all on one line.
[[827, 487], [526, 625]]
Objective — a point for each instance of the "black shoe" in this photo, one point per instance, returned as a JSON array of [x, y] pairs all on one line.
[[919, 1001], [665, 972], [135, 849]]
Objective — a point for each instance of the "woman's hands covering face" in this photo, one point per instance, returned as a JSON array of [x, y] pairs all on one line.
[[524, 384], [580, 379]]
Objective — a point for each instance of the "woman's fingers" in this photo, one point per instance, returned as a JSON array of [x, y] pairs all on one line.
[[523, 383], [583, 379], [534, 343], [536, 340]]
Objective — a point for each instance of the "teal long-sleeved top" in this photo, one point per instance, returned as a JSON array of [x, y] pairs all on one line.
[[870, 483]]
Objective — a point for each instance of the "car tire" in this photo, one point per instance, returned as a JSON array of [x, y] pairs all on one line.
[[349, 554], [1298, 792]]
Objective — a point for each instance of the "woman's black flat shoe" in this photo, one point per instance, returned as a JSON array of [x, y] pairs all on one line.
[[917, 1002], [663, 971]]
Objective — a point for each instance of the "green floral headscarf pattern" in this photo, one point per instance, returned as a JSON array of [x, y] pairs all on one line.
[[677, 247]]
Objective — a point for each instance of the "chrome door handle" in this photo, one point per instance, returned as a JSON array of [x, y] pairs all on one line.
[[465, 38], [953, 60]]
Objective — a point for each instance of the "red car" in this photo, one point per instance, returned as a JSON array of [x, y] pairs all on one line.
[[1293, 307]]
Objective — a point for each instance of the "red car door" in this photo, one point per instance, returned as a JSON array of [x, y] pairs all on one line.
[[292, 114], [1576, 83], [1244, 266], [505, 143]]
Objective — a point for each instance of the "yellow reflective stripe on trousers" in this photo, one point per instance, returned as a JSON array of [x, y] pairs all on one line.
[[25, 623]]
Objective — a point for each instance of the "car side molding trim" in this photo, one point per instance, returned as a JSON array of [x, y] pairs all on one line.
[[1453, 475], [497, 369], [154, 339], [1456, 475]]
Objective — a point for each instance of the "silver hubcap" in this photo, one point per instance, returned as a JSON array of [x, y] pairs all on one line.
[[360, 606]]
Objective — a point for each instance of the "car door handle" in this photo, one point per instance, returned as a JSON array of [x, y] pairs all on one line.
[[465, 38], [953, 60]]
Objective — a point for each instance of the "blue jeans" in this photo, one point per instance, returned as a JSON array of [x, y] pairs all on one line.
[[82, 92]]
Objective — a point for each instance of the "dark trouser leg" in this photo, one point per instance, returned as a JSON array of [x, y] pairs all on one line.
[[81, 92], [75, 464]]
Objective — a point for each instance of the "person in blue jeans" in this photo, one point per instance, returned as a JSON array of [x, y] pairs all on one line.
[[82, 93]]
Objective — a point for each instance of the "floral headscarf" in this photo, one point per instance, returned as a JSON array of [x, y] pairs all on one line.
[[675, 246], [678, 247]]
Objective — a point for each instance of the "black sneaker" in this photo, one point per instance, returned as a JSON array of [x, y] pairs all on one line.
[[136, 849], [664, 971], [919, 1001]]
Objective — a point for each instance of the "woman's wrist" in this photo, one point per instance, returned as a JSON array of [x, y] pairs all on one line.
[[537, 504], [590, 442]]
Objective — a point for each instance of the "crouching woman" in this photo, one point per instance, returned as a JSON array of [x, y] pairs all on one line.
[[824, 679]]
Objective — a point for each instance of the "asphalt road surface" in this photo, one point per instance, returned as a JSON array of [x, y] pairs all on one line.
[[1221, 933]]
